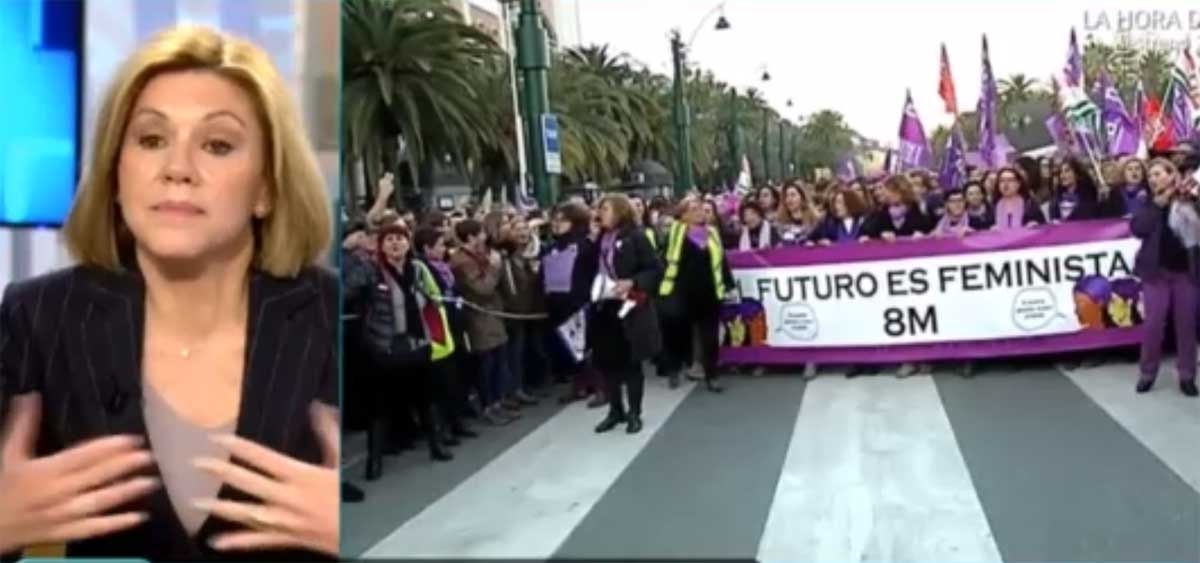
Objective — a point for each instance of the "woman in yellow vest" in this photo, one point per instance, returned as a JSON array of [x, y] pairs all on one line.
[[696, 282], [438, 285], [403, 340]]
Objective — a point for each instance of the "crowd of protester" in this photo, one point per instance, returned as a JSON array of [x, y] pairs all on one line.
[[452, 316]]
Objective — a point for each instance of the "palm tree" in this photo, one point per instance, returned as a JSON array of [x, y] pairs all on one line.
[[1155, 67], [411, 72], [1017, 88]]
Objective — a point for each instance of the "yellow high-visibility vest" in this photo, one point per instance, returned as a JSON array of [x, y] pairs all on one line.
[[675, 250], [440, 350], [652, 237]]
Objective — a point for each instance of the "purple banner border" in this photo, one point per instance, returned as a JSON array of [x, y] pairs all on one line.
[[901, 353], [990, 241]]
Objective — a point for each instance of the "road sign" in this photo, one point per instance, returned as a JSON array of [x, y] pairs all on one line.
[[550, 143]]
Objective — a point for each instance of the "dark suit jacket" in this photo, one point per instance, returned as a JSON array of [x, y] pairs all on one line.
[[633, 259], [75, 336], [1149, 224]]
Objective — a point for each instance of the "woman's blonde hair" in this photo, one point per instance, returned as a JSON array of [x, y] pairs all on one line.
[[294, 234]]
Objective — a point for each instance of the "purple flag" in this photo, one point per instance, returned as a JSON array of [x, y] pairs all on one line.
[[914, 146], [1073, 71], [1057, 127], [987, 112], [1180, 117], [1120, 129], [954, 161], [846, 169]]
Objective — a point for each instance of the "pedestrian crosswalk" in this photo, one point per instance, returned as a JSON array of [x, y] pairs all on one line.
[[1015, 466]]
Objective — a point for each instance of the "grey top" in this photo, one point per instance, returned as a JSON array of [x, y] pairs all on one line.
[[176, 442]]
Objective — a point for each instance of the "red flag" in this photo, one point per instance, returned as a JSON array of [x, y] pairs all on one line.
[[1160, 136], [946, 85]]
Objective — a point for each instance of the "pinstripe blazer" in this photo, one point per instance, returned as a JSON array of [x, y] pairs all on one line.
[[75, 336]]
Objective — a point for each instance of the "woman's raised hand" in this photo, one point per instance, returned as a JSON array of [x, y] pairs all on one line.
[[66, 496]]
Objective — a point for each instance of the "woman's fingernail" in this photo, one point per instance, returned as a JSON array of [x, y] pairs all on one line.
[[203, 503]]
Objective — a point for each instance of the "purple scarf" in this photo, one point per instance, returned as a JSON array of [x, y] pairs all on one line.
[[954, 227], [1010, 213], [847, 235], [1135, 197], [443, 271], [608, 247], [1067, 204], [698, 234]]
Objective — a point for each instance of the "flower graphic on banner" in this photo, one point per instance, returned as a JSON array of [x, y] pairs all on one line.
[[1101, 303]]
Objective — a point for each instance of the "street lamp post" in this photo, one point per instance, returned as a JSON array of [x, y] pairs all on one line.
[[734, 140], [766, 134], [534, 62], [679, 112], [679, 115]]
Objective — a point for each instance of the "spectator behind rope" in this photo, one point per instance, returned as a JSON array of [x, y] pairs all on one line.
[[1015, 208], [402, 340], [430, 243], [568, 268], [477, 277], [756, 232], [1168, 264], [900, 215], [521, 290]]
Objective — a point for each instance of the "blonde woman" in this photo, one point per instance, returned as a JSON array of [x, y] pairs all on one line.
[[172, 395]]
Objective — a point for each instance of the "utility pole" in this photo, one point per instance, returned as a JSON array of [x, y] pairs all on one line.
[[733, 140], [783, 161], [534, 62], [766, 150], [680, 117]]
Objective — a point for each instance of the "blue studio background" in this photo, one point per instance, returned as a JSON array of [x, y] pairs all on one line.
[[39, 109]]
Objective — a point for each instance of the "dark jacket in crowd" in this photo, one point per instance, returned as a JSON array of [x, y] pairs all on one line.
[[695, 289], [773, 239], [834, 230], [370, 287], [618, 343], [1161, 249], [1089, 206], [914, 222], [478, 281], [1032, 214], [521, 285]]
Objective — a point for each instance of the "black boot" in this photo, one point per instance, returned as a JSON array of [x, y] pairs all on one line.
[[351, 494], [1188, 387], [464, 432], [713, 385], [437, 452], [1145, 384], [374, 467], [635, 423], [611, 421]]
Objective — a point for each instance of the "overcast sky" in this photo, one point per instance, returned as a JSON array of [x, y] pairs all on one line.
[[859, 56]]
